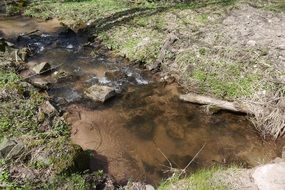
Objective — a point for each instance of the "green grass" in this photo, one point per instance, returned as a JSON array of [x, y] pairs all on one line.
[[19, 120], [200, 180], [226, 81], [278, 6], [228, 78], [77, 11], [18, 113], [8, 78], [69, 182], [137, 44]]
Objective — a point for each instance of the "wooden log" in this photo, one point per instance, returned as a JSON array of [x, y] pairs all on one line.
[[224, 105]]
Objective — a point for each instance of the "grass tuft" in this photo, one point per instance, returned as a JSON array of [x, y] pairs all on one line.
[[199, 180]]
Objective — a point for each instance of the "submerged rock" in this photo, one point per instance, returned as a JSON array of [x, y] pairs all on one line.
[[115, 75], [100, 93], [42, 67], [63, 76], [138, 186], [39, 83]]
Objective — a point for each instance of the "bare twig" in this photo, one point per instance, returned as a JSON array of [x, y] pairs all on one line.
[[183, 171], [170, 164]]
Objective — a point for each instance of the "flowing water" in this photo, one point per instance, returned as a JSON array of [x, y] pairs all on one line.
[[145, 130]]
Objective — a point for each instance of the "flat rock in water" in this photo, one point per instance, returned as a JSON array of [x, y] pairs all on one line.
[[42, 67], [100, 93], [39, 83], [115, 75], [270, 176]]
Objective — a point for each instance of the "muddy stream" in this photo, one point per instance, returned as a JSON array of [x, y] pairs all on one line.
[[132, 134]]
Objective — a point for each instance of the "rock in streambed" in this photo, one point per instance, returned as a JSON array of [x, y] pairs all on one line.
[[100, 93], [42, 67]]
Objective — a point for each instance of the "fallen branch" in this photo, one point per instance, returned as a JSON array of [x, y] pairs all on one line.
[[221, 104], [267, 112]]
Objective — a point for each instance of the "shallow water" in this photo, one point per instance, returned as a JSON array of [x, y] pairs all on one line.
[[144, 130], [15, 26]]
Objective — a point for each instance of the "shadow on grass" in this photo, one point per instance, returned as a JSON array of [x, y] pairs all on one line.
[[122, 17]]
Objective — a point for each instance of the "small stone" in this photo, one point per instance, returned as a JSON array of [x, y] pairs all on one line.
[[16, 151], [149, 187], [281, 47], [42, 67], [10, 44], [48, 109], [5, 147], [63, 76], [45, 126], [109, 185], [60, 75], [100, 93], [39, 83], [10, 149], [41, 117], [135, 186], [251, 43]]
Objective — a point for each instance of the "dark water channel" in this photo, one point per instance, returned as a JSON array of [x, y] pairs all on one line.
[[132, 134]]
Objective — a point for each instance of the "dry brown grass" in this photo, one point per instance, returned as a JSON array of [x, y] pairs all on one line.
[[269, 113]]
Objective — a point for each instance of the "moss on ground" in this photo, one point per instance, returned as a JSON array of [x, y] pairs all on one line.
[[200, 180], [142, 44], [19, 109], [44, 151]]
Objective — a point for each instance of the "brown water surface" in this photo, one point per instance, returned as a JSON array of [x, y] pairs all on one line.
[[136, 134], [14, 26]]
